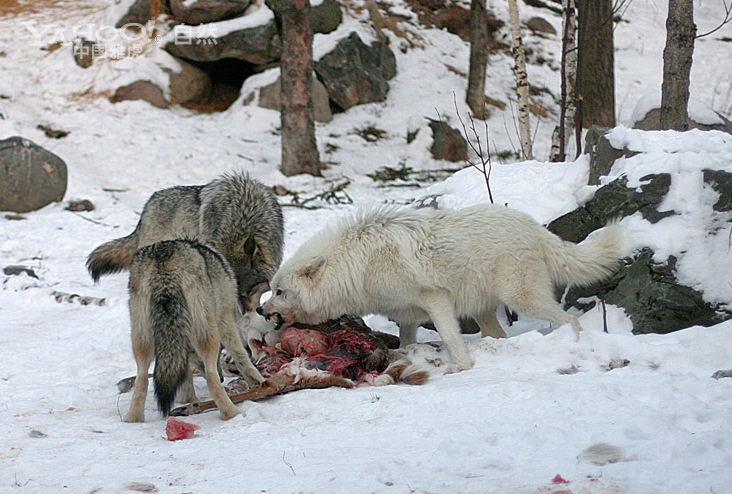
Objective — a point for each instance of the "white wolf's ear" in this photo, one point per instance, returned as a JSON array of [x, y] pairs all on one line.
[[313, 270]]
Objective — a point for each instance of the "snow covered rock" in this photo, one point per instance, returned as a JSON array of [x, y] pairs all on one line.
[[253, 38], [355, 73], [325, 16], [647, 115], [203, 11], [30, 176], [602, 154], [674, 191]]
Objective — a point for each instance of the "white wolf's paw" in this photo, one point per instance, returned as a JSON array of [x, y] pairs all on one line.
[[229, 413], [455, 368], [134, 417]]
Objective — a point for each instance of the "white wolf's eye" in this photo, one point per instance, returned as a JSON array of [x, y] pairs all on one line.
[[278, 293]]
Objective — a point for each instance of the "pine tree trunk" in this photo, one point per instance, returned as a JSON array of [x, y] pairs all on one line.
[[299, 149], [478, 59], [522, 82], [595, 63], [677, 59], [567, 106]]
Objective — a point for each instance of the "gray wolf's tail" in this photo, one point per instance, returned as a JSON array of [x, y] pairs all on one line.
[[583, 264], [112, 257], [170, 320]]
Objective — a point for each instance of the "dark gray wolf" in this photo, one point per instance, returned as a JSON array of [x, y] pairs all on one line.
[[419, 265], [183, 302], [236, 215]]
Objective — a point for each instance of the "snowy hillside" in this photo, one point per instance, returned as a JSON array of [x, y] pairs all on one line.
[[539, 413]]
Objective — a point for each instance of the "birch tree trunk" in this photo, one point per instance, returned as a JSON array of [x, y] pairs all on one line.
[[677, 59], [596, 63], [299, 149], [567, 106], [522, 82], [475, 97]]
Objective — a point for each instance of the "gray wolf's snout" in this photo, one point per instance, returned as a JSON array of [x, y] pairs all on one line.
[[260, 310]]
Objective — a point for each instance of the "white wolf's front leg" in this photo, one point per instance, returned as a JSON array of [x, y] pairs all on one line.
[[440, 309]]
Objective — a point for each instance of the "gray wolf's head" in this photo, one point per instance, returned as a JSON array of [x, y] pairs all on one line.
[[252, 272]]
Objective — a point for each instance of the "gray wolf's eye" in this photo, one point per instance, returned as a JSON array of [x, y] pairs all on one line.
[[278, 293]]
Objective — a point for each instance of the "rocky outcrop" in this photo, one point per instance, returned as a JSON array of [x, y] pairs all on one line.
[[30, 176], [651, 296], [256, 41]]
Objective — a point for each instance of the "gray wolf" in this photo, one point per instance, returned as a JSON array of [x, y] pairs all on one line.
[[183, 302], [419, 265], [236, 215]]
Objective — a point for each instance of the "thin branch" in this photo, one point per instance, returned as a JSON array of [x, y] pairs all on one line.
[[727, 18]]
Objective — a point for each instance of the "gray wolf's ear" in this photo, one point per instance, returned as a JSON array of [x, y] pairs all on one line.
[[250, 246], [313, 270]]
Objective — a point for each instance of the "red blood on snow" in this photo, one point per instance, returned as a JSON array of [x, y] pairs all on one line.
[[558, 479], [177, 429]]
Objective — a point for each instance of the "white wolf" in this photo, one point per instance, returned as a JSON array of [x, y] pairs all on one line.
[[417, 265]]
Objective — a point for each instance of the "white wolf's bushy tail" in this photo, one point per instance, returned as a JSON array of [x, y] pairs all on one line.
[[586, 263]]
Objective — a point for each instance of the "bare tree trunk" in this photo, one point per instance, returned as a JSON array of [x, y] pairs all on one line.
[[677, 59], [299, 149], [478, 59], [595, 63], [567, 106], [522, 82]]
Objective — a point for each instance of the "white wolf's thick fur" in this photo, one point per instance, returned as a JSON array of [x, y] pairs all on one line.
[[417, 265]]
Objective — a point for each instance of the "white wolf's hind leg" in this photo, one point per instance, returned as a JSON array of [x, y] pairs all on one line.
[[407, 334], [440, 309], [489, 325], [536, 299]]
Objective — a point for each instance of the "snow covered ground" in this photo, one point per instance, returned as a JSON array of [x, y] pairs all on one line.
[[520, 422]]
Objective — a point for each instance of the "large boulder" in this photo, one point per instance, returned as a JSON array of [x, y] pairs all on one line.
[[253, 38], [141, 90], [30, 176], [325, 17], [447, 142], [355, 73], [651, 295], [189, 85], [203, 11], [269, 97]]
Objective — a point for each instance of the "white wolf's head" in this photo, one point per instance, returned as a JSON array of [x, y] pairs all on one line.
[[300, 293]]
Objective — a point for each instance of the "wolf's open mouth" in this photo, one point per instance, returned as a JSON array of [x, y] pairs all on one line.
[[278, 320]]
